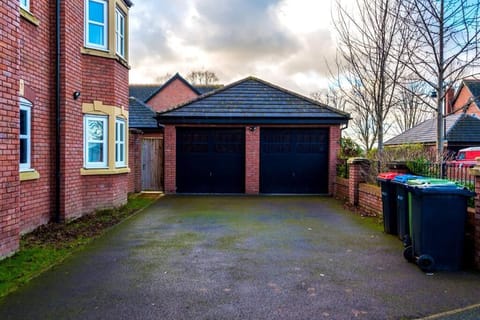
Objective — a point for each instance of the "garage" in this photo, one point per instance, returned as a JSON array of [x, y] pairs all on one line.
[[294, 160], [210, 160], [251, 137]]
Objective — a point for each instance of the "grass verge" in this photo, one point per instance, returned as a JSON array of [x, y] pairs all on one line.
[[50, 244]]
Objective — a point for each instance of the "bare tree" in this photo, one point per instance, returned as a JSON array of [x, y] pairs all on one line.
[[442, 46], [332, 97], [164, 78], [368, 63], [410, 110], [202, 77]]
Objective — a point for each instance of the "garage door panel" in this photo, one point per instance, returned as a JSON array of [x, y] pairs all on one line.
[[294, 161], [210, 160]]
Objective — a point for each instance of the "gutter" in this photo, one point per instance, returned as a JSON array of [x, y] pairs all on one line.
[[57, 217]]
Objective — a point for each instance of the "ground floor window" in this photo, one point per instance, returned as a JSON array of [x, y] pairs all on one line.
[[95, 145], [120, 142], [25, 134]]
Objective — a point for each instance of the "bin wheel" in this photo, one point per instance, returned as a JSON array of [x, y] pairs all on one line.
[[426, 263], [408, 254], [407, 242]]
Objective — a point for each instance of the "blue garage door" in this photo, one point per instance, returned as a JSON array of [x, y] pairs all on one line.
[[210, 160], [294, 160]]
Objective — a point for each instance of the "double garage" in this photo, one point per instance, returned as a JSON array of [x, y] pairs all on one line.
[[251, 137]]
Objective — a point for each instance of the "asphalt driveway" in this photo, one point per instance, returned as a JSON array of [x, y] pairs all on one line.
[[190, 257]]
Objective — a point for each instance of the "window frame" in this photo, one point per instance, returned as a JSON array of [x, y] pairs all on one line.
[[120, 144], [89, 44], [97, 164], [120, 27], [26, 106], [25, 4]]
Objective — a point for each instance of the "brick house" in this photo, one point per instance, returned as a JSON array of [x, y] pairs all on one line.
[[146, 146], [466, 99], [64, 111], [251, 137], [462, 121]]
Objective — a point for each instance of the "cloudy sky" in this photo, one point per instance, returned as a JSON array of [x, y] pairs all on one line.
[[287, 42]]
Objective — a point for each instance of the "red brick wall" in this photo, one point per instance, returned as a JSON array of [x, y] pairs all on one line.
[[462, 99], [370, 200], [135, 161], [252, 161], [334, 148], [174, 94], [170, 165], [9, 130], [341, 189], [36, 69]]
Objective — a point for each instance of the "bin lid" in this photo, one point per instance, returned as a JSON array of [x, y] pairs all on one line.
[[387, 176], [404, 178], [424, 181], [452, 189]]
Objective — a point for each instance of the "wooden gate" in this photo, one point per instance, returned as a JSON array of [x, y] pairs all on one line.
[[152, 164]]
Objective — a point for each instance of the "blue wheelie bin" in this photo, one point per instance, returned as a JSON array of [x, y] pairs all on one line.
[[389, 202], [438, 211], [403, 222]]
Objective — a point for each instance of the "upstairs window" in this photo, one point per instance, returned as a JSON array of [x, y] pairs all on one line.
[[120, 143], [25, 4], [95, 141], [25, 134], [96, 24], [120, 32]]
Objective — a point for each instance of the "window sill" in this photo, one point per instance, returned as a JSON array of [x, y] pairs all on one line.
[[29, 175], [99, 172], [29, 17], [105, 54]]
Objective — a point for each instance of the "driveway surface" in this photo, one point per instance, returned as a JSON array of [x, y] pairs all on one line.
[[192, 257]]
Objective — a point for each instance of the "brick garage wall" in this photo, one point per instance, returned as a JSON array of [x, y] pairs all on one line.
[[252, 161], [334, 148], [36, 70], [175, 93], [341, 189], [370, 200], [9, 130], [170, 160]]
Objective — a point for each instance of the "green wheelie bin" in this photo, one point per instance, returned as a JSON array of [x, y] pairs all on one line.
[[437, 210]]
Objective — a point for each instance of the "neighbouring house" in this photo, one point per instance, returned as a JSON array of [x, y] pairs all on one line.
[[462, 121], [251, 137], [466, 99], [461, 131], [146, 146], [64, 111]]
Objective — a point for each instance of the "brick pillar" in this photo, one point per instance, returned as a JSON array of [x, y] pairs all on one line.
[[170, 164], [476, 227], [135, 160], [335, 135], [356, 168], [252, 160]]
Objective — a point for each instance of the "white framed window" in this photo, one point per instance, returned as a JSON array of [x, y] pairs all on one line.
[[120, 150], [95, 147], [96, 24], [25, 134], [25, 4], [120, 32]]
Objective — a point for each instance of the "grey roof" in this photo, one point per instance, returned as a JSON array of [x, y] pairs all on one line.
[[459, 128], [143, 92], [141, 116], [253, 101]]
